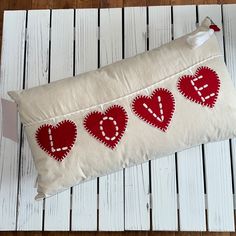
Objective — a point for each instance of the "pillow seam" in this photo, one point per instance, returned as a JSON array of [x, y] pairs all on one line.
[[125, 96]]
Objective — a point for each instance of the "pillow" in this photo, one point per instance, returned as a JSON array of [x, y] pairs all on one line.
[[148, 106]]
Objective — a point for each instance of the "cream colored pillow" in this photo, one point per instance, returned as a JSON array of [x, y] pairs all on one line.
[[156, 103]]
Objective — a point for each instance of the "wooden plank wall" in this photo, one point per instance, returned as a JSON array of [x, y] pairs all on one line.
[[12, 75], [137, 200], [36, 73], [55, 4], [166, 194], [84, 200], [111, 187], [189, 162]]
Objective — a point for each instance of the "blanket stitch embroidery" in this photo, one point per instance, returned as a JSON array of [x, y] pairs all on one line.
[[157, 109], [57, 140], [202, 87], [107, 127]]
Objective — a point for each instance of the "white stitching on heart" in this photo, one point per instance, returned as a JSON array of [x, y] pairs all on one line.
[[56, 126], [201, 88], [168, 119], [207, 97], [153, 113], [51, 143], [116, 128], [106, 111]]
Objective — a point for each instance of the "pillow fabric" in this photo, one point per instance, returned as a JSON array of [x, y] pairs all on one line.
[[148, 106]]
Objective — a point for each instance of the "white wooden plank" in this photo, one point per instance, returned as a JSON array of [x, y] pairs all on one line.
[[184, 20], [189, 162], [220, 211], [191, 190], [137, 198], [111, 188], [222, 205], [12, 66], [57, 208], [30, 211], [84, 198], [163, 174], [229, 17], [220, 214]]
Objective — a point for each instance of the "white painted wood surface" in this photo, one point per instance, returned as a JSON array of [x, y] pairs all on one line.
[[12, 67], [229, 18], [137, 198], [189, 162], [84, 197], [57, 208], [30, 213], [123, 198], [163, 172], [220, 214], [111, 187]]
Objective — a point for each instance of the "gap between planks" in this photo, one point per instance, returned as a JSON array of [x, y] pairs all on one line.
[[150, 195], [149, 206]]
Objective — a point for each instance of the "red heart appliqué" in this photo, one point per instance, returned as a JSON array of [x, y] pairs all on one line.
[[107, 127], [202, 87], [57, 140], [157, 109]]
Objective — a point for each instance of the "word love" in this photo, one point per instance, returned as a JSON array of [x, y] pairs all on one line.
[[108, 127]]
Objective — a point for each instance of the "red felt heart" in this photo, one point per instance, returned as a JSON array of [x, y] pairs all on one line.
[[157, 109], [202, 87], [57, 140], [107, 127]]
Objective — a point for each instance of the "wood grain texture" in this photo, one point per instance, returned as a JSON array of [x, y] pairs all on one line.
[[84, 198], [220, 215], [137, 197], [111, 187], [190, 165], [52, 4], [57, 208], [12, 72], [30, 212], [163, 172], [229, 18]]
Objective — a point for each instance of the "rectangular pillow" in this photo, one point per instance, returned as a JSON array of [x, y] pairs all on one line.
[[148, 106]]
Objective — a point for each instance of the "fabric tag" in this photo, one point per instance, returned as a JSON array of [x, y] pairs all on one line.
[[9, 119]]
